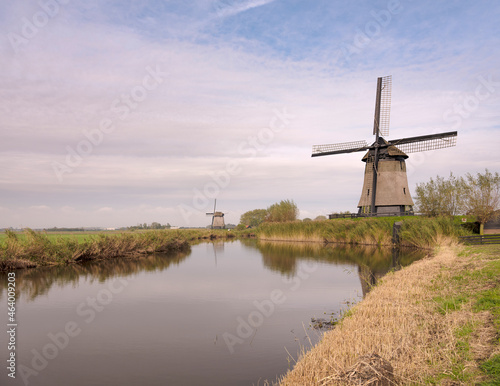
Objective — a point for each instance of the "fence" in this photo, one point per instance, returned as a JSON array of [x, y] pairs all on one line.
[[482, 239], [356, 215]]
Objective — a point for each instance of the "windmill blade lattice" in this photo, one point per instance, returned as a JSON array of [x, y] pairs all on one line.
[[337, 148], [385, 187], [425, 143], [385, 106]]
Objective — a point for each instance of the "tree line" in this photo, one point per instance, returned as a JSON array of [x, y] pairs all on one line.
[[285, 210], [477, 195], [153, 225]]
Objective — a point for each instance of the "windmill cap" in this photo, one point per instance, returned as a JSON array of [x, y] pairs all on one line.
[[391, 151]]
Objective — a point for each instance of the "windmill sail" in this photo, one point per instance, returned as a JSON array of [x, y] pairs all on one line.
[[339, 148], [385, 187], [426, 142], [380, 127], [406, 145], [385, 106]]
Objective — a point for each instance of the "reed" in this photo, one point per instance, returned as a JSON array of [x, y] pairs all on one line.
[[428, 232], [31, 249], [416, 231]]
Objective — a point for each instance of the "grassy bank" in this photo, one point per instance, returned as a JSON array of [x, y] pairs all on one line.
[[436, 322], [32, 249], [421, 232]]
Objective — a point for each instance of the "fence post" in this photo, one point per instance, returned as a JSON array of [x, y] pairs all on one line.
[[396, 229]]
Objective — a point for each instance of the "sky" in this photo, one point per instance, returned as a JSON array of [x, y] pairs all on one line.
[[118, 113]]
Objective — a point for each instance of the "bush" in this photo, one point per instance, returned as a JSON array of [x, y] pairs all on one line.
[[285, 211]]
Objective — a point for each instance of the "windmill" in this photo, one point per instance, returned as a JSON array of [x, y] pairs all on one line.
[[385, 187], [217, 218]]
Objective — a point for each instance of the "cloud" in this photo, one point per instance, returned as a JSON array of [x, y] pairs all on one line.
[[105, 209], [226, 8], [39, 207], [223, 82]]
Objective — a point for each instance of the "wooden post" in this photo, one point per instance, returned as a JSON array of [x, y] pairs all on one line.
[[396, 230]]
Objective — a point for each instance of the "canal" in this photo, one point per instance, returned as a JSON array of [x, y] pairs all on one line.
[[223, 313]]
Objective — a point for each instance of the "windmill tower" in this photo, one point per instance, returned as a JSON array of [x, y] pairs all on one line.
[[385, 187], [217, 218]]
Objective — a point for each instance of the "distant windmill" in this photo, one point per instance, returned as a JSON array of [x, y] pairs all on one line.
[[385, 187], [217, 218]]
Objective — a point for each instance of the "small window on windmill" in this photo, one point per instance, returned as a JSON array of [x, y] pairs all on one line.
[[404, 190], [368, 192]]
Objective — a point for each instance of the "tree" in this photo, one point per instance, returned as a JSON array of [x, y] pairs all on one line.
[[253, 218], [441, 196], [320, 218], [286, 210], [482, 196]]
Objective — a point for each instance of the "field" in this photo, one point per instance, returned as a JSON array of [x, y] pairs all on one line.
[[53, 236]]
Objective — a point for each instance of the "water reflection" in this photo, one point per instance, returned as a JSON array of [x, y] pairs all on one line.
[[32, 283], [373, 262], [218, 247], [171, 323], [283, 257]]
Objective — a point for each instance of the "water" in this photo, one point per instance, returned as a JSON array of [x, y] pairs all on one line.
[[220, 314]]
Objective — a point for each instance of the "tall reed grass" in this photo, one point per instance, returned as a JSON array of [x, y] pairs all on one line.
[[421, 232], [31, 249], [428, 232]]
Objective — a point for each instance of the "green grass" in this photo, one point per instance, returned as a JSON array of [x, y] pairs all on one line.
[[480, 289], [53, 236], [492, 369], [448, 304]]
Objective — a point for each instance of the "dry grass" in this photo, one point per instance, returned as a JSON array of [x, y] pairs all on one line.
[[414, 320]]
